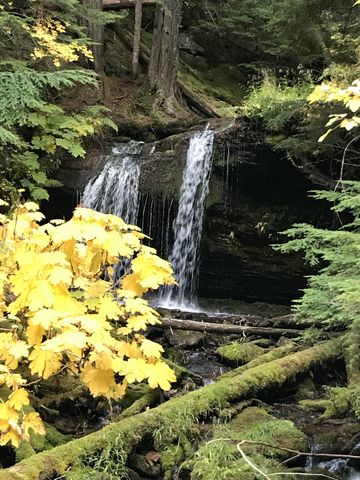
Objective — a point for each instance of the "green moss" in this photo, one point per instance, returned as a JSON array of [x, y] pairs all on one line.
[[133, 393], [258, 425], [273, 354], [25, 450], [37, 442], [171, 457], [314, 405], [54, 437], [239, 352], [215, 96], [220, 459], [87, 473], [341, 401], [306, 389]]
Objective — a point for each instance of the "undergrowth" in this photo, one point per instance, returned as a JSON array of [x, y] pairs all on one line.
[[277, 102]]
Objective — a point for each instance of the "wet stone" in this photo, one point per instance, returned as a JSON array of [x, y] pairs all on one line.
[[185, 338]]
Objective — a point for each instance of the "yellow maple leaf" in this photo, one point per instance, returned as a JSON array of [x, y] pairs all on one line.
[[137, 305], [34, 334], [108, 308], [12, 435], [46, 318], [18, 349], [44, 362], [160, 374], [18, 399], [7, 413], [132, 282], [41, 295], [151, 349], [32, 420], [98, 380], [136, 370], [60, 275], [128, 349], [66, 341], [31, 206]]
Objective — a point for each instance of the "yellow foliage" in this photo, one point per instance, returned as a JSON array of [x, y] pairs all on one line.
[[66, 314], [349, 97], [47, 33]]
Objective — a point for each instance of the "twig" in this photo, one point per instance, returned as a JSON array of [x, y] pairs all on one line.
[[343, 161], [254, 467], [301, 454], [268, 475]]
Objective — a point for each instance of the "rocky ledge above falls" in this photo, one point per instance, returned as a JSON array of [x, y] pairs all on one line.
[[254, 194]]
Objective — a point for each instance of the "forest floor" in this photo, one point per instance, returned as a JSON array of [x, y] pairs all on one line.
[[240, 403]]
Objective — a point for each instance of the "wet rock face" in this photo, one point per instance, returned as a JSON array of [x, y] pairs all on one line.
[[254, 194]]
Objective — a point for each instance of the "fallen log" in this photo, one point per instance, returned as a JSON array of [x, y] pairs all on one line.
[[267, 357], [208, 327], [175, 417]]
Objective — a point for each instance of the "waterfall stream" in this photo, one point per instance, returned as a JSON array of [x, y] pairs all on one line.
[[116, 188], [189, 222]]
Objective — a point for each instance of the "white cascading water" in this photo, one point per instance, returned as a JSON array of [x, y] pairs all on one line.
[[116, 189], [189, 222]]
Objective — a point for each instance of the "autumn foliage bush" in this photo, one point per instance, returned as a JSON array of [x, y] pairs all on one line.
[[62, 314]]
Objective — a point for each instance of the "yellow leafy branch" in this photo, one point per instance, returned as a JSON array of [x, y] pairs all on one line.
[[349, 97], [67, 315]]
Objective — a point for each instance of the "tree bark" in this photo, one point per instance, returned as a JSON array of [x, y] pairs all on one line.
[[196, 404], [95, 32], [137, 38], [226, 329], [164, 56]]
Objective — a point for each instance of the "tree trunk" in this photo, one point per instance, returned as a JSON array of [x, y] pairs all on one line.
[[95, 31], [164, 57], [173, 414], [137, 37]]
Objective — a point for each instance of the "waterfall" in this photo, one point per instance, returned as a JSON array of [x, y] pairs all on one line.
[[189, 222], [116, 189]]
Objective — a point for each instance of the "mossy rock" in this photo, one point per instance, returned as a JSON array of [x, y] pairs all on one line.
[[239, 353], [185, 338], [221, 459], [257, 425]]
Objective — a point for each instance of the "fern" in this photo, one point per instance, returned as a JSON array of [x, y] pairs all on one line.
[[332, 297], [23, 89]]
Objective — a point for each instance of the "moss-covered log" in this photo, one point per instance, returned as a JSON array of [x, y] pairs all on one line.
[[175, 417], [274, 354]]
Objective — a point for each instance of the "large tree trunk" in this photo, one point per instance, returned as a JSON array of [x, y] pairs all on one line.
[[95, 31], [193, 405], [164, 57]]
